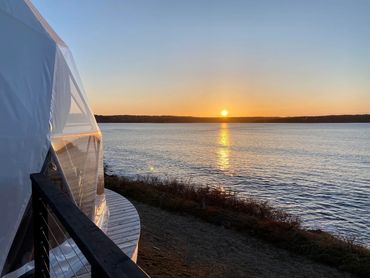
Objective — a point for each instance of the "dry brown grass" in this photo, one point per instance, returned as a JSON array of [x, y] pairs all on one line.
[[250, 216]]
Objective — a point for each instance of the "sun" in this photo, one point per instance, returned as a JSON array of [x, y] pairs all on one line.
[[224, 113]]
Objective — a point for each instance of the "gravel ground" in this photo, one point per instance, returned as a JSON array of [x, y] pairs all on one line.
[[173, 245]]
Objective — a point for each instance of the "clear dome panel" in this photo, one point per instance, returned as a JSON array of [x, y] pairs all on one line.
[[70, 111], [78, 156], [76, 140]]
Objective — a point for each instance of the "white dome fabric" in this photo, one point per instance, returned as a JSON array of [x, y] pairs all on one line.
[[43, 109]]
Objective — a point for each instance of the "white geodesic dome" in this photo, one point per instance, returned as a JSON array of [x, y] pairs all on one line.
[[46, 126]]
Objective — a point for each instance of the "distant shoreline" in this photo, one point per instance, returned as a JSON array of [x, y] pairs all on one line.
[[365, 118]]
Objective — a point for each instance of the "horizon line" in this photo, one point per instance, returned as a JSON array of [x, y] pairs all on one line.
[[216, 117]]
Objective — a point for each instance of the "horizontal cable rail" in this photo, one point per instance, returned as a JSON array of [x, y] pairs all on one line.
[[105, 258]]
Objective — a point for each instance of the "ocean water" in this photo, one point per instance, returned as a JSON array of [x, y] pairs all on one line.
[[320, 172]]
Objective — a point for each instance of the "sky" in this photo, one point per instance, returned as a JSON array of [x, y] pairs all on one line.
[[197, 57]]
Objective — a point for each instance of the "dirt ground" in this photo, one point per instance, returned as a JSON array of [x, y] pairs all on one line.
[[172, 245]]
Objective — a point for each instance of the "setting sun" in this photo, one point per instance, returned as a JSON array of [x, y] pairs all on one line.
[[224, 113]]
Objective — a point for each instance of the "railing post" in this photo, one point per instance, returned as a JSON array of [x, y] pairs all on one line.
[[95, 272], [41, 235]]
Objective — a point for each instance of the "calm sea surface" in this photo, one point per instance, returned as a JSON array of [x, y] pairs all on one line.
[[320, 172]]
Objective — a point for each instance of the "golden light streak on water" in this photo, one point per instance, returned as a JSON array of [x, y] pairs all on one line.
[[223, 151]]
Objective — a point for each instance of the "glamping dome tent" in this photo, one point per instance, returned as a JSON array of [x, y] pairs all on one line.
[[46, 126]]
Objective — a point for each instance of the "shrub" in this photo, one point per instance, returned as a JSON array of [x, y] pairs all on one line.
[[246, 215]]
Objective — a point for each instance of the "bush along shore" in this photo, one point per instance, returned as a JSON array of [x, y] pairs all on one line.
[[246, 215]]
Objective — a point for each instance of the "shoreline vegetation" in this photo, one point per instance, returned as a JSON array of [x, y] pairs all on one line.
[[249, 216], [365, 118]]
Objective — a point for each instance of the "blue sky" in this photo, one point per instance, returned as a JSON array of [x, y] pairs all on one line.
[[254, 58]]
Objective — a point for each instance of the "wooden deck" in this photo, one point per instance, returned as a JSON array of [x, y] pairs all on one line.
[[124, 223], [123, 227]]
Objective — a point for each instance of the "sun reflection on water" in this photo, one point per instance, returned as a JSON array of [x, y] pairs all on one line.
[[223, 152]]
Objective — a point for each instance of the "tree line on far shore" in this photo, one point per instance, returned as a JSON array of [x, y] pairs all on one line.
[[187, 119]]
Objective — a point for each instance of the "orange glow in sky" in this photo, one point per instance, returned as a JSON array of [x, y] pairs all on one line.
[[297, 58]]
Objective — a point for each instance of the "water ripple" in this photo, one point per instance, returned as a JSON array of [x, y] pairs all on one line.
[[320, 172]]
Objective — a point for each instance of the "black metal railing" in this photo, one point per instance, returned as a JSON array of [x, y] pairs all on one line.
[[105, 258]]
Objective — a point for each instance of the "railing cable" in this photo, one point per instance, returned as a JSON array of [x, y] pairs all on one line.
[[67, 239], [46, 266], [58, 246], [61, 268]]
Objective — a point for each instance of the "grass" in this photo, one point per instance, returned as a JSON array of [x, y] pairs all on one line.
[[249, 216]]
